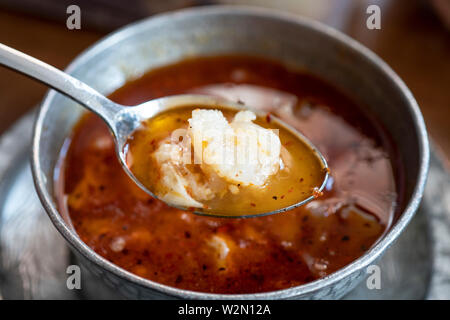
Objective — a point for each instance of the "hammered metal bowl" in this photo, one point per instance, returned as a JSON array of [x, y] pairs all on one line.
[[216, 30]]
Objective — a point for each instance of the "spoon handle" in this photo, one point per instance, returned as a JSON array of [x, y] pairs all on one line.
[[60, 81]]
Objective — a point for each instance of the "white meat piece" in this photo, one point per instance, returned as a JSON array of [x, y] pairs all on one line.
[[239, 152]]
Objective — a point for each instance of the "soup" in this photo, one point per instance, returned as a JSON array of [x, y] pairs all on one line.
[[183, 158], [143, 235]]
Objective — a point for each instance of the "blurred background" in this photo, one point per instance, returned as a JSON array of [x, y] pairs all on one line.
[[414, 40]]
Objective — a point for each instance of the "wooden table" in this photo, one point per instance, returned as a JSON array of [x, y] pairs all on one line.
[[412, 40]]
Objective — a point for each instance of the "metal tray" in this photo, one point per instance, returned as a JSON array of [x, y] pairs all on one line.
[[34, 257]]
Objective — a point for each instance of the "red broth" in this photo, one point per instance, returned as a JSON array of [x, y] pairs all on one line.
[[177, 248]]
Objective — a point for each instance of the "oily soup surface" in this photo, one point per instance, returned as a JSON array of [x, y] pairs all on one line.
[[143, 235], [301, 175]]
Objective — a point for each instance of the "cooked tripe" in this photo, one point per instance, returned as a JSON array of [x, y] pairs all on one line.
[[226, 155], [176, 178], [240, 151]]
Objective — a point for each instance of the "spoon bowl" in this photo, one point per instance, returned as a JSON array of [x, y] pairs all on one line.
[[131, 118], [124, 120]]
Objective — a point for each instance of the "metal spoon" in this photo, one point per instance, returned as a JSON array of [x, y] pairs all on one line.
[[124, 120]]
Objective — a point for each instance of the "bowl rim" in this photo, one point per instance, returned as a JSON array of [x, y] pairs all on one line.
[[362, 262]]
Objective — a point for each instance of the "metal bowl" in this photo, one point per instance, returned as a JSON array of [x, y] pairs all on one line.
[[295, 41]]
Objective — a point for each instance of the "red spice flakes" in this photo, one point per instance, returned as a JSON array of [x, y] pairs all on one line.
[[288, 143], [153, 144], [291, 189], [268, 117], [225, 228], [316, 193], [252, 204], [301, 179], [282, 197]]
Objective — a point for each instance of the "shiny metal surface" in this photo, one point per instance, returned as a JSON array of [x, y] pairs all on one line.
[[298, 42], [33, 255], [124, 120]]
